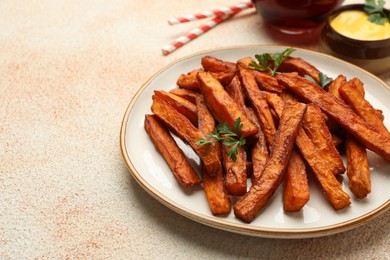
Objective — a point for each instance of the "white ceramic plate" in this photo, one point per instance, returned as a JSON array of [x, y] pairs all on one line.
[[316, 219]]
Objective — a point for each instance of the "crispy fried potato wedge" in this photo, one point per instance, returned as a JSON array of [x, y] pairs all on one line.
[[255, 199], [296, 187], [352, 96], [331, 187], [357, 168], [317, 130], [334, 108], [181, 126], [213, 64], [222, 106], [292, 64], [190, 95], [259, 104], [235, 171], [187, 108], [171, 152]]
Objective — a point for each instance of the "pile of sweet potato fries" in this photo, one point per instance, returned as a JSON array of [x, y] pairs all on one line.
[[292, 127]]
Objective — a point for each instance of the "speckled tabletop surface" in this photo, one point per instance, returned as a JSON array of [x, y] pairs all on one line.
[[68, 70]]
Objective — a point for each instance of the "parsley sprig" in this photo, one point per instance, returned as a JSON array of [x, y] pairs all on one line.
[[376, 12], [229, 137], [324, 79], [270, 62]]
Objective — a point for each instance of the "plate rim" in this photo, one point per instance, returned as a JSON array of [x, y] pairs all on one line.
[[218, 222]]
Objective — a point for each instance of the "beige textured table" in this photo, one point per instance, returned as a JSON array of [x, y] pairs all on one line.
[[68, 70]]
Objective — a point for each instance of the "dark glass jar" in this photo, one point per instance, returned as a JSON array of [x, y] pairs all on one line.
[[295, 17]]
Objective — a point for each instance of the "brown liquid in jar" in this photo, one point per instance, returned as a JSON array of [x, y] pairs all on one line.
[[295, 17]]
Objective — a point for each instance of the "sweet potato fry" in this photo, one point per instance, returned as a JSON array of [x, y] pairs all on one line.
[[235, 171], [214, 186], [259, 156], [292, 64], [334, 108], [182, 105], [189, 80], [259, 151], [181, 126], [263, 79], [341, 80], [351, 95], [296, 188], [267, 82], [234, 89], [333, 88], [185, 93], [336, 84], [255, 199], [222, 106], [275, 102], [288, 95], [317, 130], [213, 64], [206, 122], [170, 151], [215, 191], [258, 104], [331, 187], [244, 62], [357, 168], [224, 77], [359, 86], [358, 171]]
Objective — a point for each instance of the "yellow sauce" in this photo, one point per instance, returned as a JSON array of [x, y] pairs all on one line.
[[355, 24]]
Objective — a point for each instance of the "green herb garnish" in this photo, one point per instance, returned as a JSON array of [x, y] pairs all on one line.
[[324, 79], [228, 137], [272, 61], [376, 12]]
